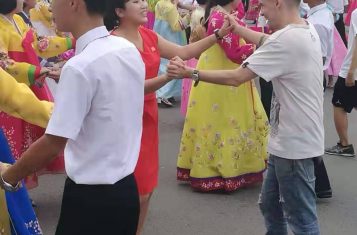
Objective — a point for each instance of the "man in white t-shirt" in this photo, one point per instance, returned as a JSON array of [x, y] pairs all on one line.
[[345, 94], [291, 58], [92, 121]]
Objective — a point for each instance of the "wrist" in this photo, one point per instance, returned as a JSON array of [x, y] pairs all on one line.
[[188, 72], [166, 78], [8, 185], [217, 34]]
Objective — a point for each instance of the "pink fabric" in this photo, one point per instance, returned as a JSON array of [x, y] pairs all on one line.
[[151, 20], [253, 10], [230, 43], [240, 11], [338, 55], [351, 7], [186, 88]]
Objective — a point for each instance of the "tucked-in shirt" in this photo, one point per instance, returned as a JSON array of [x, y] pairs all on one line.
[[351, 45], [321, 17], [99, 107], [291, 59]]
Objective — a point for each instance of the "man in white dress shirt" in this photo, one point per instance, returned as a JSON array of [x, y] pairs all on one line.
[[92, 120], [321, 17], [338, 9]]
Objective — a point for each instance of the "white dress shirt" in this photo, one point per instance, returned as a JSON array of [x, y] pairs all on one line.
[[98, 107], [321, 17], [338, 6]]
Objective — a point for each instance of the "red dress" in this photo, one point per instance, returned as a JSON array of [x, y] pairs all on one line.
[[147, 168]]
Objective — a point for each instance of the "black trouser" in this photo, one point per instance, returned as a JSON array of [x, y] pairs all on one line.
[[340, 26], [100, 209], [266, 90], [322, 183]]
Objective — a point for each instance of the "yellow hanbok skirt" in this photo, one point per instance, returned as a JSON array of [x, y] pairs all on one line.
[[4, 216], [223, 144]]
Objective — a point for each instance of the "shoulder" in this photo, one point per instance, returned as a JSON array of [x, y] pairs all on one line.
[[216, 14], [148, 34], [18, 19]]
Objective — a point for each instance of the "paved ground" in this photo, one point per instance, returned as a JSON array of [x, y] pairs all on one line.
[[177, 210]]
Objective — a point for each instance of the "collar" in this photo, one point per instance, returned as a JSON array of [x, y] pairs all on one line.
[[316, 9], [24, 13], [90, 36]]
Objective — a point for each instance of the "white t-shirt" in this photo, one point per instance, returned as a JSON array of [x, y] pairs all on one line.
[[99, 107], [322, 19], [351, 44], [291, 59]]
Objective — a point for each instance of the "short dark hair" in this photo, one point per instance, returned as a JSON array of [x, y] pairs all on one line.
[[7, 6], [97, 7], [201, 2], [111, 20]]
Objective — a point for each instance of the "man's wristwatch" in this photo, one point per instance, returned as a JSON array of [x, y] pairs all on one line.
[[195, 77], [217, 34], [8, 187]]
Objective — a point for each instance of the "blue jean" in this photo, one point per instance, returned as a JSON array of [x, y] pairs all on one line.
[[288, 197]]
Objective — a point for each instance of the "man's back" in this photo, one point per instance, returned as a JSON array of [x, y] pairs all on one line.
[[105, 122]]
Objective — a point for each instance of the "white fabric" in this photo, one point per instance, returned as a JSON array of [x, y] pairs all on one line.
[[291, 59], [338, 6], [98, 107], [42, 29], [321, 17], [351, 44]]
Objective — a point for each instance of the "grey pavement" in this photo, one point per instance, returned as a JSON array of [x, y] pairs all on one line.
[[177, 210]]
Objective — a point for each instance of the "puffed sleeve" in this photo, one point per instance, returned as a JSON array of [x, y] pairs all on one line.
[[234, 47], [18, 100]]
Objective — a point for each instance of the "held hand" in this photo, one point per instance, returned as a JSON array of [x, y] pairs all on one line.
[[176, 69], [226, 28], [3, 168], [232, 19], [44, 71], [55, 74]]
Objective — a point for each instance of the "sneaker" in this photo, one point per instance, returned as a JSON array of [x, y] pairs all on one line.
[[324, 194], [162, 102], [346, 151], [172, 100]]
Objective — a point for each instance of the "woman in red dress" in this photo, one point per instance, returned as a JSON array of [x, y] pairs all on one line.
[[126, 20]]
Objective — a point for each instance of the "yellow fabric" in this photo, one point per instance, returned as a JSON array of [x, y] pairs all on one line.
[[42, 13], [11, 41], [4, 215], [166, 11], [18, 100], [226, 128]]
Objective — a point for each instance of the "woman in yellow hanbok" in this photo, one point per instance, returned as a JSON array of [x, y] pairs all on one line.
[[21, 44], [18, 100], [223, 145]]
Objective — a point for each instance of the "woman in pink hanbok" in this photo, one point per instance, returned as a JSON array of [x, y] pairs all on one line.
[[338, 54]]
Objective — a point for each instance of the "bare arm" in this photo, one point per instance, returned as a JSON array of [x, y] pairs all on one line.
[[234, 77], [249, 35], [152, 85], [43, 151], [169, 50], [350, 80]]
